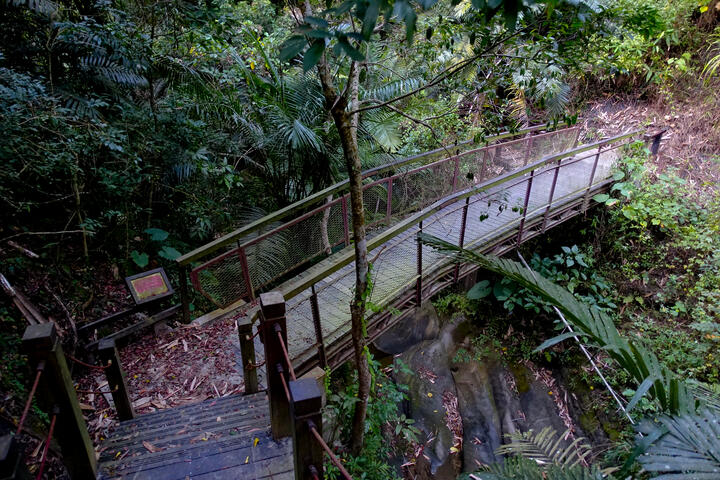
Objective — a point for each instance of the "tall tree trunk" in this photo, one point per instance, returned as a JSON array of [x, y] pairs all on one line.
[[346, 127]]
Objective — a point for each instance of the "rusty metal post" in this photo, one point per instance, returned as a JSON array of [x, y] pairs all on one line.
[[56, 388], [388, 206], [247, 354], [346, 227], [184, 294], [306, 410], [272, 312], [525, 207], [552, 194], [418, 282], [315, 308], [457, 171], [115, 375], [586, 201], [463, 225], [246, 271]]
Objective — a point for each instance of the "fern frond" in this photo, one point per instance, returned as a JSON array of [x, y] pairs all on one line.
[[545, 448], [391, 89]]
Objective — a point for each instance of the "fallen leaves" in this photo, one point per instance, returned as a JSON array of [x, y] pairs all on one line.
[[151, 448]]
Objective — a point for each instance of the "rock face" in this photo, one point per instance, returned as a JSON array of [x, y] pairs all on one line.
[[494, 398]]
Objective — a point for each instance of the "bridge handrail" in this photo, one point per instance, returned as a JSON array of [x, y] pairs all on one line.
[[320, 196], [347, 255]]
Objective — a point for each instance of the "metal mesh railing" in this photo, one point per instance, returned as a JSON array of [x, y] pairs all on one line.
[[484, 216], [270, 256]]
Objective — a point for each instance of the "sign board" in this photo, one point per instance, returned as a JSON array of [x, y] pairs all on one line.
[[149, 286]]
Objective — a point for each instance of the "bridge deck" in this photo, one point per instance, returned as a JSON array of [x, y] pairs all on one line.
[[224, 438], [491, 215]]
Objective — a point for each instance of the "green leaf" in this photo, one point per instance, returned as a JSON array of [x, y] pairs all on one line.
[[480, 290], [502, 292], [169, 253], [601, 197], [557, 339], [370, 18], [640, 392], [318, 22], [157, 234], [350, 51], [313, 54], [292, 47], [140, 259]]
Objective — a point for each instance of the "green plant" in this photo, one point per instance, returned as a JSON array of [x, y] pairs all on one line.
[[670, 392], [385, 426], [571, 268]]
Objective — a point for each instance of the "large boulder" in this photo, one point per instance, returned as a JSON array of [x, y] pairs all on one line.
[[423, 324], [429, 378]]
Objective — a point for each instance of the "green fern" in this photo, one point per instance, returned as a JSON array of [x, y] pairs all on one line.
[[519, 468], [546, 447]]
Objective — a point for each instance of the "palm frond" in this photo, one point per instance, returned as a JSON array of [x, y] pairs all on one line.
[[682, 446]]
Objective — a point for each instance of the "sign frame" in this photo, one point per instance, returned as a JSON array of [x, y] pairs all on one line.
[[141, 301]]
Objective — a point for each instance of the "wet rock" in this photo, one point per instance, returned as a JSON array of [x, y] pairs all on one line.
[[422, 325], [428, 379]]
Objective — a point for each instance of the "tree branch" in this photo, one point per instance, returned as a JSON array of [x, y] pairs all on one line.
[[443, 75]]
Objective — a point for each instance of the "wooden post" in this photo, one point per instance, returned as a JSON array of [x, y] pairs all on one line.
[[116, 378], [272, 309], [184, 294], [56, 388], [306, 406], [461, 244], [12, 465], [247, 354]]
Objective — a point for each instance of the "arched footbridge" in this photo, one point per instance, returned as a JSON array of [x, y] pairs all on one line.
[[489, 197]]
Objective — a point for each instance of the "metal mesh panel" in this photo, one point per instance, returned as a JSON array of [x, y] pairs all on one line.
[[221, 280], [273, 258]]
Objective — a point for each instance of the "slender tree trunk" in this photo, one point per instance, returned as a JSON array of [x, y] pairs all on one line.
[[324, 237], [347, 129]]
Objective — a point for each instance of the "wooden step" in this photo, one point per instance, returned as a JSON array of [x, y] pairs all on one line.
[[225, 438]]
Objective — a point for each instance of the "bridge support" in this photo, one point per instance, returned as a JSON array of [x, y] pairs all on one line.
[[247, 355]]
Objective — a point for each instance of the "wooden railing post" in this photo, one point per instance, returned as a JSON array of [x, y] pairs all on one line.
[[110, 358], [247, 354], [272, 312], [306, 409], [12, 465], [56, 389], [184, 294]]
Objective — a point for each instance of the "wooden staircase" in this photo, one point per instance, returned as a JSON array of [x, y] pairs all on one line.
[[224, 438]]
